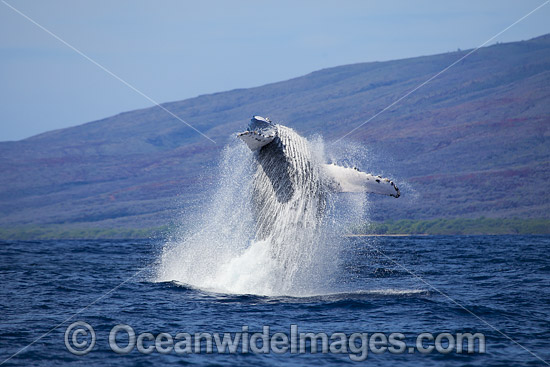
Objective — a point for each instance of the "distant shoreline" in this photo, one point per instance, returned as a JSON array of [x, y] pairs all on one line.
[[399, 228], [456, 226], [435, 235], [388, 235]]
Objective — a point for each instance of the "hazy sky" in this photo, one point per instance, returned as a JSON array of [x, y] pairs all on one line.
[[172, 50]]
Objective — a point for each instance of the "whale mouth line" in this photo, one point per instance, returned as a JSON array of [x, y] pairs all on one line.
[[245, 133], [255, 140]]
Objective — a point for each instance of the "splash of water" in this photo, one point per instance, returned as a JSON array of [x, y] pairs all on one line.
[[290, 246]]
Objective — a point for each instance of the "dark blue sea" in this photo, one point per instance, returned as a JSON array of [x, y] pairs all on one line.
[[498, 286]]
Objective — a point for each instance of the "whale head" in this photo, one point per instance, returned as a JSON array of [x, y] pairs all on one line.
[[260, 132]]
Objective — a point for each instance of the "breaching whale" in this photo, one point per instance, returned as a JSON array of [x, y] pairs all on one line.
[[290, 185]]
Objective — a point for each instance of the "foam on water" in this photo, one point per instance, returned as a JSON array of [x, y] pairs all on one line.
[[222, 248]]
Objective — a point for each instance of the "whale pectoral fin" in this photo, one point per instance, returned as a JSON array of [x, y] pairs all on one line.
[[343, 179]]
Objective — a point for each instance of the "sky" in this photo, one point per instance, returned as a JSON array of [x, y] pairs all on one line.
[[173, 50]]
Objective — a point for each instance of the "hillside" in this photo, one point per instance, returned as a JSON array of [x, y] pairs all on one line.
[[473, 142]]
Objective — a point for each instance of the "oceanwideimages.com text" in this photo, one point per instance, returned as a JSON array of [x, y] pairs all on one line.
[[80, 339]]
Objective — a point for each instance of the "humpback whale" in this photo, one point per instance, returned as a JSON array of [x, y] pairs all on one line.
[[291, 184], [275, 221]]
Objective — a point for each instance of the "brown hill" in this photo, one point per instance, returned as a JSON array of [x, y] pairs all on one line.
[[472, 142]]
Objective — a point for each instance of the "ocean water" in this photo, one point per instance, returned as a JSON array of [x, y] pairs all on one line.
[[495, 285]]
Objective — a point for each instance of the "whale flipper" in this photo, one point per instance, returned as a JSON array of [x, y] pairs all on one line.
[[343, 179]]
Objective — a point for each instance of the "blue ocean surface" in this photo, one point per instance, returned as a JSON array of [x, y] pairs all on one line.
[[498, 286]]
